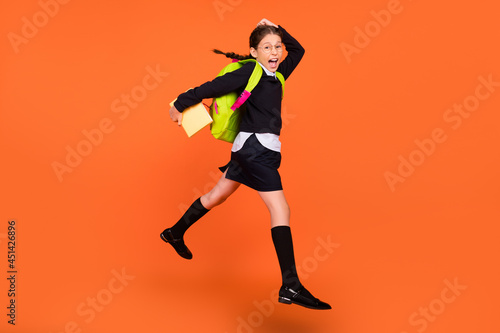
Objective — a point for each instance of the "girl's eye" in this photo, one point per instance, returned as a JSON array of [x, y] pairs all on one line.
[[267, 48], [278, 47]]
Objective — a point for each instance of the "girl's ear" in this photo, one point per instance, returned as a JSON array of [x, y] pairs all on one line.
[[253, 52]]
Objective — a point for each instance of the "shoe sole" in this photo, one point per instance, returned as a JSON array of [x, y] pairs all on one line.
[[288, 301], [284, 300]]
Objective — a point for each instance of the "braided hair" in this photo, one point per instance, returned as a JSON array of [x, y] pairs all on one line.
[[255, 37]]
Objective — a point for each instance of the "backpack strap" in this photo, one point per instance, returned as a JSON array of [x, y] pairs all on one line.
[[282, 80], [252, 82]]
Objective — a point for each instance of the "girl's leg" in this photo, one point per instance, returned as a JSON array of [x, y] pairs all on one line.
[[292, 290], [282, 236], [221, 191], [278, 207], [174, 235]]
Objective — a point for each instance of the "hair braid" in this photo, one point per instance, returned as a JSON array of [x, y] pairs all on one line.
[[232, 55], [255, 37]]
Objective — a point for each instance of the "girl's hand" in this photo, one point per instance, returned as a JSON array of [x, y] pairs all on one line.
[[267, 22], [175, 115]]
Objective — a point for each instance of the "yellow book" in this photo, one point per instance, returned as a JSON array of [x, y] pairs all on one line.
[[194, 118]]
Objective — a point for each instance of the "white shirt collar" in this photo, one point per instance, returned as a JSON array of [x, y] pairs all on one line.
[[268, 72]]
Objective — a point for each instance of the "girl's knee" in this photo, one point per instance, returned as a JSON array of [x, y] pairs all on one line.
[[281, 209], [286, 210], [219, 199], [211, 200]]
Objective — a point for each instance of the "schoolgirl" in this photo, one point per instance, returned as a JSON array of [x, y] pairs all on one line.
[[255, 154]]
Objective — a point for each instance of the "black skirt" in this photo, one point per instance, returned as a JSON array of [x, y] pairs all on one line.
[[255, 166]]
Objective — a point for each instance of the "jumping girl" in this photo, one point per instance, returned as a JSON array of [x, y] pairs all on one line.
[[255, 154]]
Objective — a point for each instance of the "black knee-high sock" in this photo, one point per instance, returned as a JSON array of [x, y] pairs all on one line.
[[282, 239], [193, 214]]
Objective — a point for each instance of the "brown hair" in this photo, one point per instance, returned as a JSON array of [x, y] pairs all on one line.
[[255, 37]]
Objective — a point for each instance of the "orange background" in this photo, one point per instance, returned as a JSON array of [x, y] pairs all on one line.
[[346, 125]]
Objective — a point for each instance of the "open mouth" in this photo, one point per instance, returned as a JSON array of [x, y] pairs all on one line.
[[273, 63]]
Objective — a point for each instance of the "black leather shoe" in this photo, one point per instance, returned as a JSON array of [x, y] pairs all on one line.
[[177, 244], [301, 297]]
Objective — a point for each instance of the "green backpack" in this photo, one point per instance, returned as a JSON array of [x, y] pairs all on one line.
[[225, 109]]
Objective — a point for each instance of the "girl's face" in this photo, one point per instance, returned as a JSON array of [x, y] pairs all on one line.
[[269, 52]]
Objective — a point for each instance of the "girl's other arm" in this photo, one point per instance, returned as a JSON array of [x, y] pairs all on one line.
[[175, 115]]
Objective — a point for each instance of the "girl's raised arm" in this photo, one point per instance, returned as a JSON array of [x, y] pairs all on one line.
[[266, 22]]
